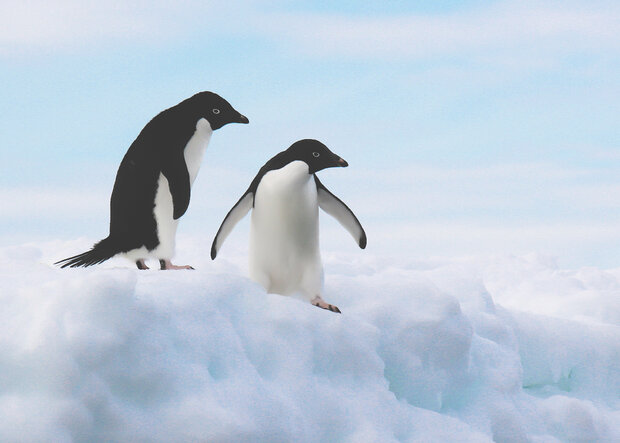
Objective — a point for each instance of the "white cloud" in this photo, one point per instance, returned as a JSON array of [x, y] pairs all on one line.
[[508, 192], [510, 26], [49, 203], [50, 25], [503, 171], [495, 193], [415, 210], [457, 238], [572, 243]]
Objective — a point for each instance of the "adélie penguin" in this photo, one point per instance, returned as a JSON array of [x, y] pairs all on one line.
[[154, 181], [285, 197]]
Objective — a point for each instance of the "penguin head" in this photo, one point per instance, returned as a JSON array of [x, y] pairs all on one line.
[[216, 110], [315, 154]]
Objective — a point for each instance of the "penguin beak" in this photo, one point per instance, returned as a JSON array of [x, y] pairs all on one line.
[[342, 163], [242, 119]]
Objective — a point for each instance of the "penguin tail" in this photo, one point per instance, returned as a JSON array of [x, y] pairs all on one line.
[[102, 251]]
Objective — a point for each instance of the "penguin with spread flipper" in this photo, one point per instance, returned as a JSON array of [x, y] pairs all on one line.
[[285, 197]]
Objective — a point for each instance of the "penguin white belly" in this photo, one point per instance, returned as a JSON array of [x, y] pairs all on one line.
[[284, 233], [166, 224], [164, 208], [196, 147]]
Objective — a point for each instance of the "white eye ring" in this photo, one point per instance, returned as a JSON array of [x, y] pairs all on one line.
[[216, 111], [316, 154]]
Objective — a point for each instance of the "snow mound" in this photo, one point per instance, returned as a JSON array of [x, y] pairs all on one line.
[[454, 350]]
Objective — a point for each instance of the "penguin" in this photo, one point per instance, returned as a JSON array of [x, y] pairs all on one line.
[[285, 196], [154, 181]]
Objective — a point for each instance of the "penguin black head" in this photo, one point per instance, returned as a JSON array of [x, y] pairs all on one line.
[[216, 110], [315, 154]]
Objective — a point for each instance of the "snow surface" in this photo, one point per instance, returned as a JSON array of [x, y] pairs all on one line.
[[507, 349]]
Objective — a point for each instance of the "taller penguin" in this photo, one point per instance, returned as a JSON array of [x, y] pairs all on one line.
[[154, 181]]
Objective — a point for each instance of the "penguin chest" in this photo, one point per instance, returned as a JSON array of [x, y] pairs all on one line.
[[284, 231], [196, 147], [163, 209]]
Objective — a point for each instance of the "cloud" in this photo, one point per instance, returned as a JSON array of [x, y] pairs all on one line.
[[507, 26], [571, 243], [49, 203], [500, 193], [412, 210], [450, 237], [509, 192], [44, 25]]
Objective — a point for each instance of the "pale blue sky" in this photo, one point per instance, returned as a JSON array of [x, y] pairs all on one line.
[[470, 127]]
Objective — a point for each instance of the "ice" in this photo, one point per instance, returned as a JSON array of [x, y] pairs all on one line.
[[505, 349]]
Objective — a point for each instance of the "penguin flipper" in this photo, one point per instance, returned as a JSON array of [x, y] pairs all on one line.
[[241, 208], [335, 207], [177, 175]]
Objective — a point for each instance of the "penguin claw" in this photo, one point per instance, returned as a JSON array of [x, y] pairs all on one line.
[[320, 303], [167, 265], [334, 309], [175, 267]]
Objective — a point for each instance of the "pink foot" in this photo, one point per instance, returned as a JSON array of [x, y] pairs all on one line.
[[167, 264], [141, 265], [318, 301]]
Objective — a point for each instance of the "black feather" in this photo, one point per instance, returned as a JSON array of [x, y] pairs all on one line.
[[101, 252]]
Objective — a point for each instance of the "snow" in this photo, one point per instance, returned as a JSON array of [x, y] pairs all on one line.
[[475, 349]]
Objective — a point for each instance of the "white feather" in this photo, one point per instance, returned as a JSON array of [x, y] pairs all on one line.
[[196, 147], [284, 233]]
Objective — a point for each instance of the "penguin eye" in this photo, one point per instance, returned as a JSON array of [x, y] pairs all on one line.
[[316, 154], [216, 111]]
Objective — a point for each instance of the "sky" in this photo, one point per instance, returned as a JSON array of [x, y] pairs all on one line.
[[470, 127]]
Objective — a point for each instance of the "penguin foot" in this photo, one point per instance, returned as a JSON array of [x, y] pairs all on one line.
[[167, 264], [319, 302], [141, 265]]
